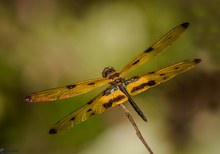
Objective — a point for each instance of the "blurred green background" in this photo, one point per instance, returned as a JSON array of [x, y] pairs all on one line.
[[46, 44]]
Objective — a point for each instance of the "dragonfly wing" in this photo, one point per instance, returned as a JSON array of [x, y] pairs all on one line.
[[71, 90], [138, 84], [105, 100], [156, 48]]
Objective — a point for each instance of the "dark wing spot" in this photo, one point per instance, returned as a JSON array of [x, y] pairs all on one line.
[[92, 114], [90, 102], [73, 118], [92, 83], [176, 68], [149, 83], [89, 110], [149, 49], [28, 99], [52, 131], [118, 98], [70, 86], [111, 101], [197, 60], [162, 74], [108, 105], [137, 61], [185, 25], [151, 72]]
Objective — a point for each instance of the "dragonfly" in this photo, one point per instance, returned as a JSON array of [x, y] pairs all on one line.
[[120, 89]]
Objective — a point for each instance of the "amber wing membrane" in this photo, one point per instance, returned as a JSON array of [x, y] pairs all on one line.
[[71, 90], [105, 100], [156, 48], [138, 84], [113, 96]]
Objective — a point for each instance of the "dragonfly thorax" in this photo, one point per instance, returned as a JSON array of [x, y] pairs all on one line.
[[109, 72]]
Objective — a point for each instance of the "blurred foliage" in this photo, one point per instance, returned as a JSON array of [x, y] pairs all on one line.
[[46, 44]]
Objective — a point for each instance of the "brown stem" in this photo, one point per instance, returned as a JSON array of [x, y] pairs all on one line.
[[138, 133]]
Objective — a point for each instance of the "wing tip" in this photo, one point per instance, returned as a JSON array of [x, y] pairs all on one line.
[[185, 24], [28, 99], [52, 131], [197, 61]]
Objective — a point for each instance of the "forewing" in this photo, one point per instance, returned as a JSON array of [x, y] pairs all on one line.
[[105, 100], [71, 90], [138, 84], [156, 48]]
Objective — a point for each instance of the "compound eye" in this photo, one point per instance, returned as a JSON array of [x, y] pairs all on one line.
[[107, 71]]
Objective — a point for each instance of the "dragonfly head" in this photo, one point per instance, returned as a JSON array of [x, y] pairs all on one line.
[[108, 71]]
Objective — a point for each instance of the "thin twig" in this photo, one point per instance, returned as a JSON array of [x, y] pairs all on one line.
[[138, 133]]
